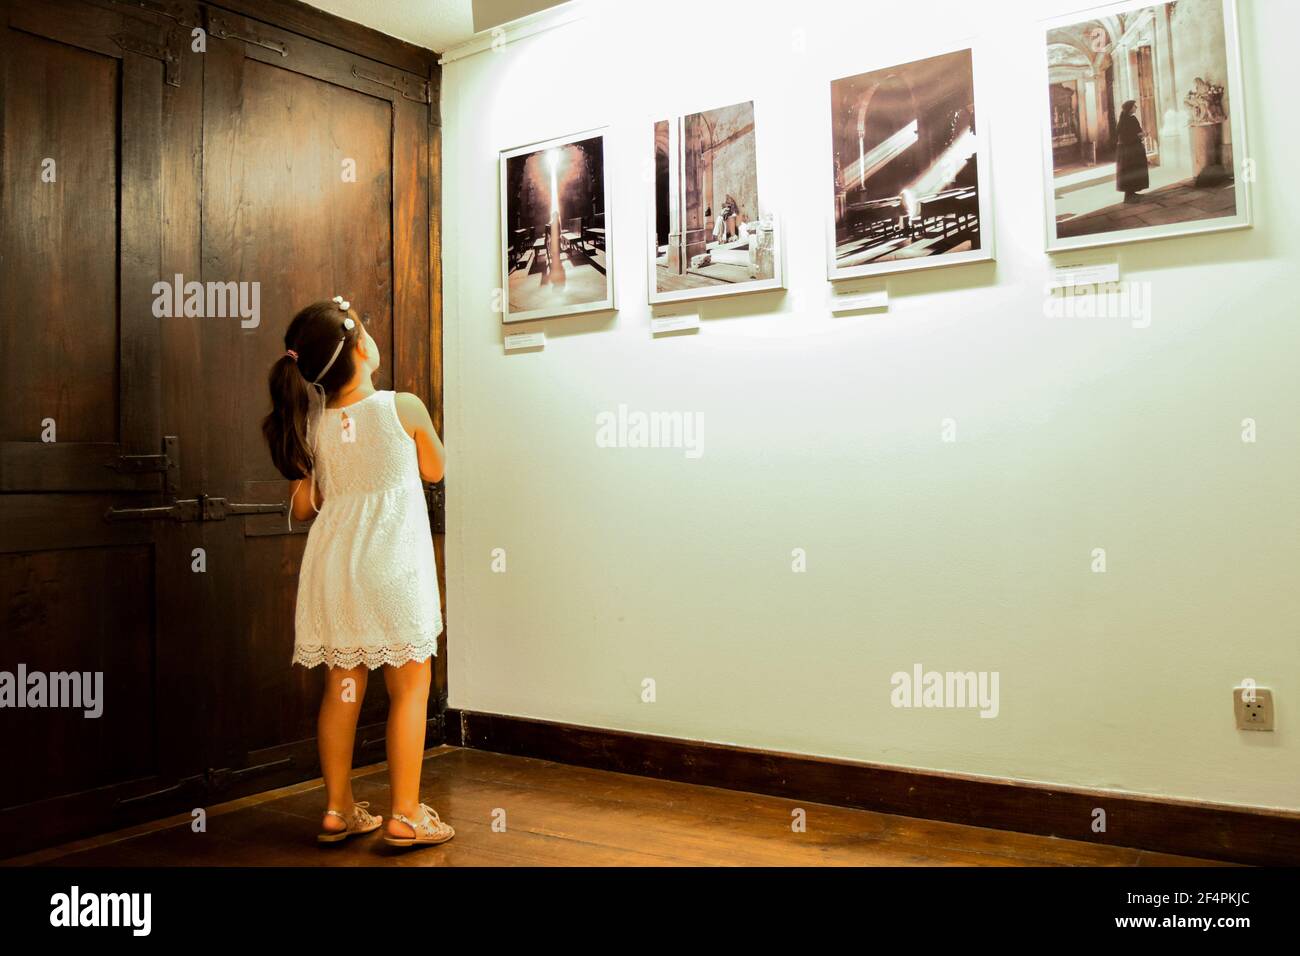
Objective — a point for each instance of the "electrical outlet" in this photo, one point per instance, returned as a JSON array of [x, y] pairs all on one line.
[[1253, 707]]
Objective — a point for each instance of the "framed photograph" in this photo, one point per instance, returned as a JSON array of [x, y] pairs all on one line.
[[555, 228], [911, 177], [712, 230], [1144, 123]]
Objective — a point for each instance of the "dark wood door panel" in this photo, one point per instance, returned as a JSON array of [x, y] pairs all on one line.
[[264, 662], [415, 332], [49, 522], [269, 44], [87, 611], [79, 254], [58, 352], [333, 31], [102, 27], [278, 211], [80, 242]]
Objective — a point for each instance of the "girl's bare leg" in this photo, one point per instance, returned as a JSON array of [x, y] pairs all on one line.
[[336, 732], [408, 708]]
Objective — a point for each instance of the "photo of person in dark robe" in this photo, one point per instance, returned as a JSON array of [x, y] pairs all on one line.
[[1141, 102], [1130, 154]]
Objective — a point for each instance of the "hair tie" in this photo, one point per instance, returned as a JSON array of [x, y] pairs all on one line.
[[292, 354]]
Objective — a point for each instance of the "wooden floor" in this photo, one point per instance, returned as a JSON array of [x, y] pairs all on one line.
[[558, 815]]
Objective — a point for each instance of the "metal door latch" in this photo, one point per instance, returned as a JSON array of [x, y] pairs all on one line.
[[202, 508]]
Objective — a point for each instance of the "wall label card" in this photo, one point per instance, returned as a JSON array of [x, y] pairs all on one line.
[[860, 301], [674, 323], [1072, 275], [525, 340]]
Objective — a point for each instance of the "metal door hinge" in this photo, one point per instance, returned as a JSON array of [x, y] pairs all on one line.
[[417, 91], [436, 498], [170, 61], [220, 27], [168, 464], [171, 10]]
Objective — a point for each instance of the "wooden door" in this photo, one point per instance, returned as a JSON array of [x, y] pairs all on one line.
[[316, 184], [82, 93], [147, 542]]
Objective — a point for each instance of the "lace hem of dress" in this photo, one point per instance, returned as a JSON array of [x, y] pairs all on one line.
[[392, 655]]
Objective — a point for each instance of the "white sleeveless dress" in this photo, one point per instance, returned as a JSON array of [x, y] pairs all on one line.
[[368, 587]]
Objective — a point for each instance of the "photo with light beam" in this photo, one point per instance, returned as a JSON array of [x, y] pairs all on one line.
[[555, 254], [906, 171]]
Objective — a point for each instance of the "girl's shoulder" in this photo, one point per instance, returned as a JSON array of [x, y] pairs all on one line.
[[408, 401], [411, 411]]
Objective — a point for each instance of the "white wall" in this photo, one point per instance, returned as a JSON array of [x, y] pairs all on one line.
[[824, 433]]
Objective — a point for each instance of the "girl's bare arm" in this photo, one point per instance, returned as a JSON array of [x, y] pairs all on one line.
[[428, 447], [301, 498]]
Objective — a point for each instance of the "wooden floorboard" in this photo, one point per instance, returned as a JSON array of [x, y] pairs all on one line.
[[561, 815]]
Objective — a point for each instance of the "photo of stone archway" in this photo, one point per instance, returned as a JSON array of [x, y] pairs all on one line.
[[906, 167], [1141, 119], [710, 233]]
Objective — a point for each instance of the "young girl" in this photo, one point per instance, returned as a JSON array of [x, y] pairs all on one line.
[[368, 587]]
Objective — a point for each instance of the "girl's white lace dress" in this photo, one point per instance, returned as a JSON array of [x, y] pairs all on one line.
[[368, 588]]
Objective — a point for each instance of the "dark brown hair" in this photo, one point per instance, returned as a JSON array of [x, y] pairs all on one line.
[[313, 334]]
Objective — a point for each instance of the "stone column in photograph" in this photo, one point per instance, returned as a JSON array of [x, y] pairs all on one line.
[[676, 259], [1175, 150], [695, 167]]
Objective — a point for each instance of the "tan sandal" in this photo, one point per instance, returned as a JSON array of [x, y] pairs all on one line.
[[428, 829], [358, 822]]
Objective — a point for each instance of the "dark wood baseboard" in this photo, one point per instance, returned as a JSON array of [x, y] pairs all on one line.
[[1212, 831]]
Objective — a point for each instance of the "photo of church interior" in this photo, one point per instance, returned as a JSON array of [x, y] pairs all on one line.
[[1170, 61], [555, 217], [709, 230], [906, 182]]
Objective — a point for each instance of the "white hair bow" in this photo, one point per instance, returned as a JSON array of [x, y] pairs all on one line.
[[344, 306]]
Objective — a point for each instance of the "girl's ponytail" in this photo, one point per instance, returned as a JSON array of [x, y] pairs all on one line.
[[285, 427], [318, 349]]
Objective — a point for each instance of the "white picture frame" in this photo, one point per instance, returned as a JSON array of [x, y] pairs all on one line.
[[519, 307], [767, 211], [985, 252], [1119, 18]]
